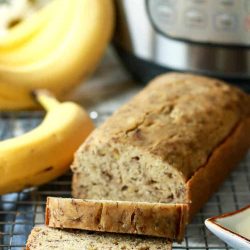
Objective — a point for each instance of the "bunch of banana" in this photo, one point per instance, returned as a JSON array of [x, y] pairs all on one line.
[[45, 152], [53, 49]]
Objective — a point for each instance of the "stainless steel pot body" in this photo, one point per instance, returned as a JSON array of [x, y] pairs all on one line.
[[203, 36]]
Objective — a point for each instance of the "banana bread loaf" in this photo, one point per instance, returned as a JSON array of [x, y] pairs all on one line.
[[174, 142], [42, 238], [154, 219]]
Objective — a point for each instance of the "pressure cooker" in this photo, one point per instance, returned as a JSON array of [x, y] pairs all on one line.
[[210, 37]]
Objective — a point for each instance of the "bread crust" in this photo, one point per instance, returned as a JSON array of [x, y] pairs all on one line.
[[154, 219], [224, 158]]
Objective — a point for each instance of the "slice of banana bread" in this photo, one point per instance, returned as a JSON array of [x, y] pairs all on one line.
[[174, 142], [154, 219], [42, 238]]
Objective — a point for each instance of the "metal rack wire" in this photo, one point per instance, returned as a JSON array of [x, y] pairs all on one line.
[[19, 212]]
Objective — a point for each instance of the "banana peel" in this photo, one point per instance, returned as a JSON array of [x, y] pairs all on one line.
[[47, 151], [58, 55]]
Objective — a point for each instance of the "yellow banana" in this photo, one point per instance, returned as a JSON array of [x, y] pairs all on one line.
[[70, 57], [47, 151], [45, 41], [20, 34]]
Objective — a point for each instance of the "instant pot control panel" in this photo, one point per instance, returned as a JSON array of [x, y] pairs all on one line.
[[208, 21]]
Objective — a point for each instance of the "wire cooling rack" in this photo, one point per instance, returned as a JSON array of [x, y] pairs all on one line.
[[19, 212]]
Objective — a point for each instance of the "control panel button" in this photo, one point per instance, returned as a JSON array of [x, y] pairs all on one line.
[[162, 12], [198, 1], [169, 3], [195, 18], [227, 3], [225, 22], [165, 13]]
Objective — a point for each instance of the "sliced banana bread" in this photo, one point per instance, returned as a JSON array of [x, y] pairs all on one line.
[[174, 142], [42, 238], [154, 219]]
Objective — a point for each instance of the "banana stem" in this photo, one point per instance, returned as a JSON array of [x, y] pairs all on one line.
[[46, 99]]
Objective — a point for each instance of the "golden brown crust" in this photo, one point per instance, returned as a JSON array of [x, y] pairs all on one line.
[[180, 118], [154, 219], [224, 158], [47, 212]]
